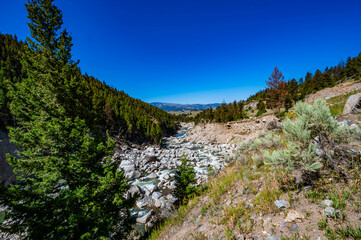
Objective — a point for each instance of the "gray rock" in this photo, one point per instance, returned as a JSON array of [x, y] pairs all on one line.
[[202, 228], [145, 218], [128, 168], [171, 198], [158, 203], [326, 203], [126, 162], [282, 204], [272, 125], [152, 176], [156, 195], [273, 237], [149, 188], [294, 228], [133, 190], [353, 104], [150, 224], [283, 226], [136, 174], [130, 175], [140, 203], [331, 212], [172, 185], [319, 152]]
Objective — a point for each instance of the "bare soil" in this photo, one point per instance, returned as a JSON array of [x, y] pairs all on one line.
[[340, 89], [230, 133]]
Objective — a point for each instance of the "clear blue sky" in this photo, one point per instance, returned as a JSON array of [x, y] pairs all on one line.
[[201, 51]]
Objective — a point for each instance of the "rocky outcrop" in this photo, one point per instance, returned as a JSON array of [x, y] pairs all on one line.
[[353, 104]]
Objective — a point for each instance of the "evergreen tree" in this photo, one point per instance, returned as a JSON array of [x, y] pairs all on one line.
[[68, 187], [185, 177], [277, 89], [261, 108]]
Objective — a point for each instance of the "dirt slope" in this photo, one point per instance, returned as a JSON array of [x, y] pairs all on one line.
[[233, 132]]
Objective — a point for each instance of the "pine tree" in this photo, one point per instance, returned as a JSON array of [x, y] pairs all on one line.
[[185, 177], [277, 89], [68, 187]]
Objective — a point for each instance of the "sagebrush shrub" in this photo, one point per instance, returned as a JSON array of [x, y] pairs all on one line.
[[312, 138]]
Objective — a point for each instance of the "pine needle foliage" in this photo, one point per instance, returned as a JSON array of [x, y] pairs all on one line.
[[185, 180], [67, 187]]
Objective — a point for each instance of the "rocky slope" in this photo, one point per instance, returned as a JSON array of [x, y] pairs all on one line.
[[338, 90], [250, 200], [151, 169]]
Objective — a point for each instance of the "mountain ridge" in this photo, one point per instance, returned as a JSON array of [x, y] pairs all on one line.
[[184, 107]]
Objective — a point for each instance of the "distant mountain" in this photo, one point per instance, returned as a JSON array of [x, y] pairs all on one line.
[[183, 107]]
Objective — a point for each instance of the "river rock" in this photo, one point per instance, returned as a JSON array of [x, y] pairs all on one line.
[[156, 195], [128, 167], [145, 218], [171, 198], [149, 189], [134, 190], [140, 203], [353, 104], [152, 176]]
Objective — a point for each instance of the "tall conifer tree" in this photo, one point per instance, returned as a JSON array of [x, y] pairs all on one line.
[[68, 188]]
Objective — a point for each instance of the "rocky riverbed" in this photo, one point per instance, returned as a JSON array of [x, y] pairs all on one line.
[[152, 170]]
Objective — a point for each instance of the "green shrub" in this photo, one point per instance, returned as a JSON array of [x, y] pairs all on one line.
[[185, 178], [313, 128]]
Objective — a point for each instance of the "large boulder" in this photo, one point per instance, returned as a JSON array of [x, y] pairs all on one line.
[[145, 218], [353, 104]]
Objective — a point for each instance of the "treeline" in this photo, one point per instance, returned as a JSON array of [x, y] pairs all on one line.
[[281, 93], [295, 90], [117, 112], [224, 113]]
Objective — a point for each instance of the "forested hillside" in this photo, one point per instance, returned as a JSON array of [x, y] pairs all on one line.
[[224, 113], [312, 82], [114, 110], [283, 94]]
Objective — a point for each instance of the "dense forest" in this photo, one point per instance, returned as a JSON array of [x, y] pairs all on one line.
[[117, 112], [313, 82], [224, 113], [283, 94]]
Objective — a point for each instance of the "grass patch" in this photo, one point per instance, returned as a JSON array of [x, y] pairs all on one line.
[[348, 232], [264, 201], [220, 186], [337, 103]]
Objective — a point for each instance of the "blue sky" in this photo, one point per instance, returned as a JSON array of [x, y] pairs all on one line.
[[200, 51]]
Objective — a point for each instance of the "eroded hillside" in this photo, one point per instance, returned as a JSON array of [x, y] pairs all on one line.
[[254, 198]]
